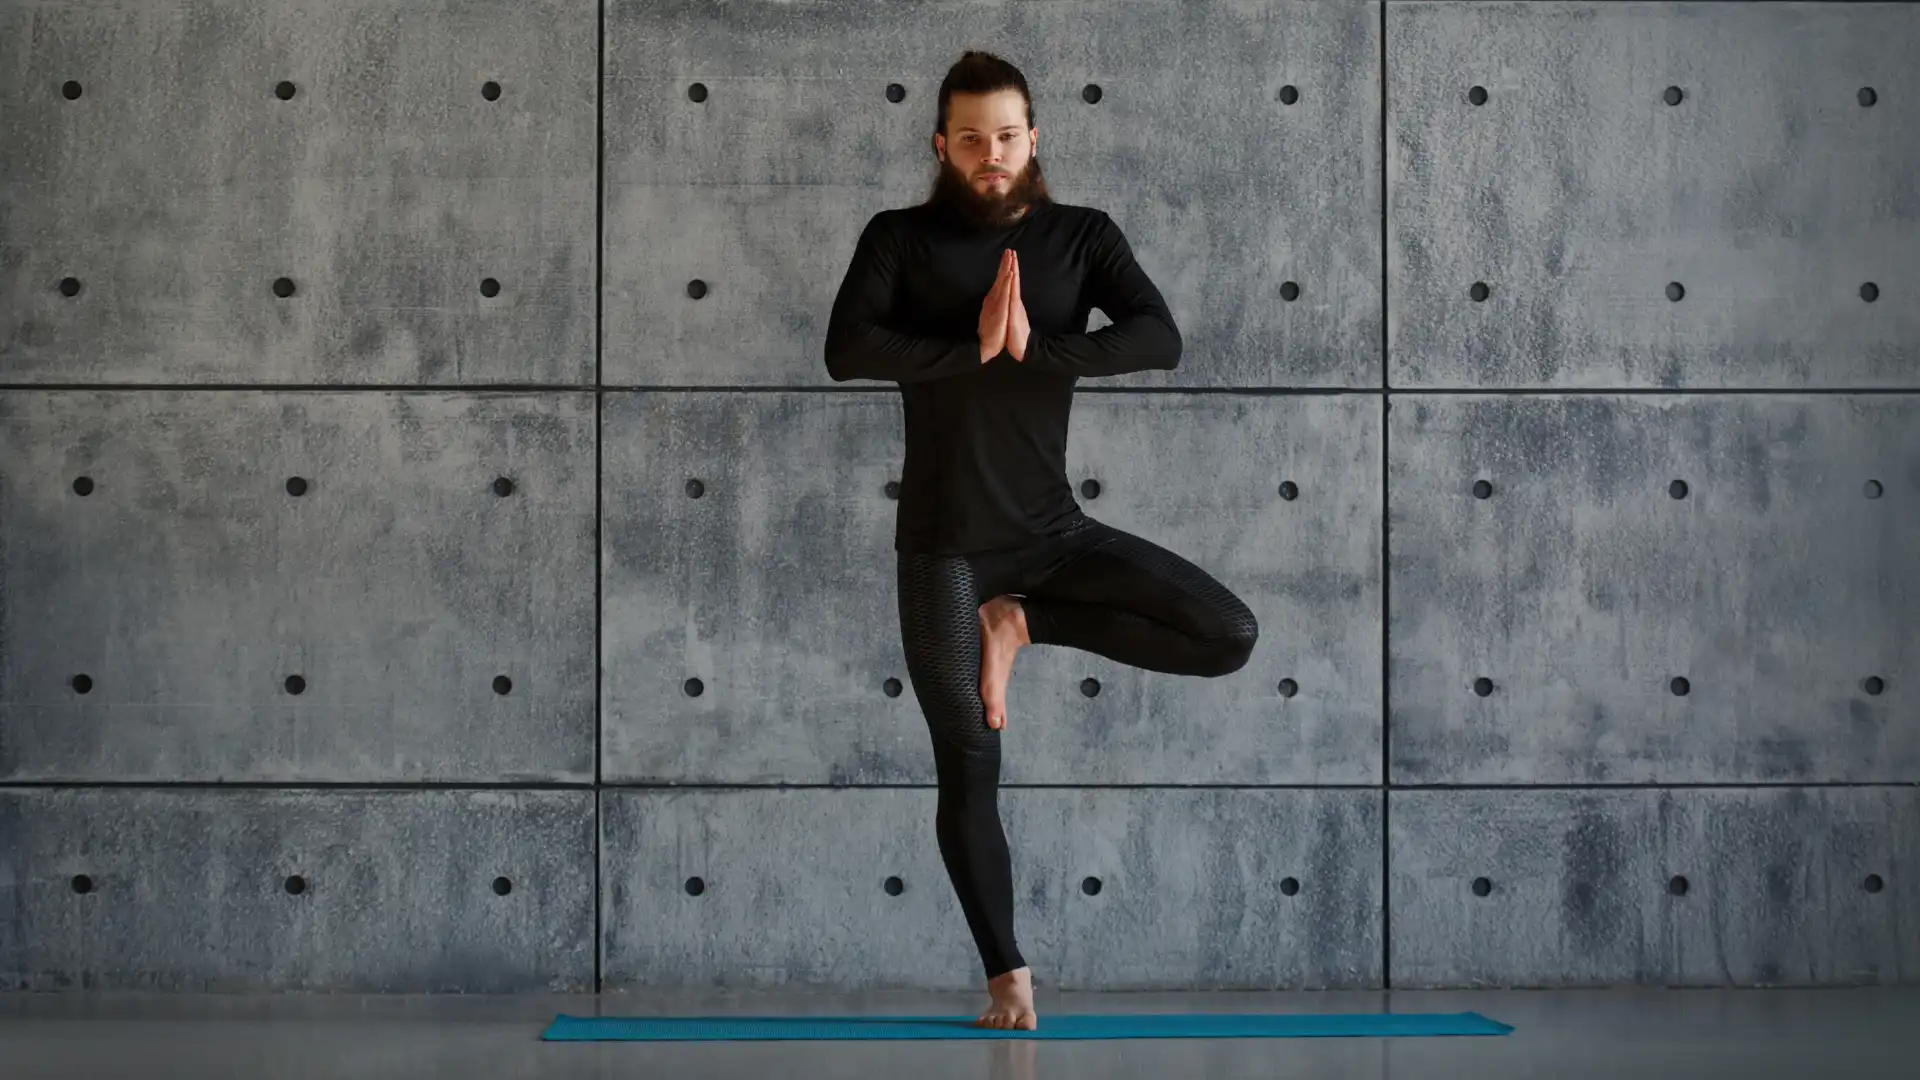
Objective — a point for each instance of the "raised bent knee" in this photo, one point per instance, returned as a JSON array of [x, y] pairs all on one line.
[[1234, 650]]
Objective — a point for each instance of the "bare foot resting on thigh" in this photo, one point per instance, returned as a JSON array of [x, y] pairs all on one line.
[[1003, 630]]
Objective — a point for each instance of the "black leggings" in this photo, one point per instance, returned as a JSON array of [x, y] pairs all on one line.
[[1092, 587]]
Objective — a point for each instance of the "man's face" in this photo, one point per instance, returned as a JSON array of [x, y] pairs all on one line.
[[987, 156]]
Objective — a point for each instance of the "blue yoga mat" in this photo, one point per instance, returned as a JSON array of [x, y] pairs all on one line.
[[1069, 1026]]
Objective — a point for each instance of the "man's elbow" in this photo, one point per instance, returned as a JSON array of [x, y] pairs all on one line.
[[1170, 357], [839, 360]]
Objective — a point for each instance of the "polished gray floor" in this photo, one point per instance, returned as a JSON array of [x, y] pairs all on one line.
[[1641, 1034]]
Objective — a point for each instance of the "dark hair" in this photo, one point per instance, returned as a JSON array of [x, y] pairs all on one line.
[[979, 72]]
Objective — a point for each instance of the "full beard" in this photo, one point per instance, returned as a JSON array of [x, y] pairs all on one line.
[[956, 193]]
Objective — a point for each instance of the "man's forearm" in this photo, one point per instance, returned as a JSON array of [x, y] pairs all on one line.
[[869, 351], [1137, 343]]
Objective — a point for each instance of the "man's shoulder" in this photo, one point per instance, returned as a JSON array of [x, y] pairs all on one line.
[[894, 221], [1076, 214], [1077, 210]]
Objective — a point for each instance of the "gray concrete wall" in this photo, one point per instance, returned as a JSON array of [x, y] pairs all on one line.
[[479, 610]]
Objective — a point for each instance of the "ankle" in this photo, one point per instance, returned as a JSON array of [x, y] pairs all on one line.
[[1020, 622]]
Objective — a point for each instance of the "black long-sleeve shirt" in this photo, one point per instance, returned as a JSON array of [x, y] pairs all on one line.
[[986, 444]]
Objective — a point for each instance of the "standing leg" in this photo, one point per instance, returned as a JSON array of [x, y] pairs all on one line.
[[940, 634], [1133, 601]]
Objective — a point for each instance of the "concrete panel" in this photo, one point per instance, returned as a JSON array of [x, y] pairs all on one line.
[[1782, 886], [1226, 190], [399, 891], [179, 185], [846, 888], [1769, 192], [189, 584], [776, 589], [1781, 586]]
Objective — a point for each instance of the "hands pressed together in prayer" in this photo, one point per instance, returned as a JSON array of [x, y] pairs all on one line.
[[1003, 318]]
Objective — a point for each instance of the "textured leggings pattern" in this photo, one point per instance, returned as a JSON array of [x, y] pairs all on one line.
[[1093, 587]]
